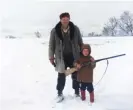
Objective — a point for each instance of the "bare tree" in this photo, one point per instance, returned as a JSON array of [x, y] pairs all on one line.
[[126, 22], [106, 31], [110, 28], [91, 34], [113, 25], [38, 35]]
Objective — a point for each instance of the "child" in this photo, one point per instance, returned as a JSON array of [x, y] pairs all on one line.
[[85, 74]]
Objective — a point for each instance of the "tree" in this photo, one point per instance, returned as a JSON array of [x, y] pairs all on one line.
[[126, 23], [110, 29], [38, 35], [106, 31], [91, 34]]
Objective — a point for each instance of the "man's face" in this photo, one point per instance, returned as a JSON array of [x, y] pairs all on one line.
[[65, 21], [85, 52]]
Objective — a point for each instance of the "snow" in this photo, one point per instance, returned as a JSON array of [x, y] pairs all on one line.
[[28, 80]]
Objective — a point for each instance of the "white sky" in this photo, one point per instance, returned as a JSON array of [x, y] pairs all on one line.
[[25, 17]]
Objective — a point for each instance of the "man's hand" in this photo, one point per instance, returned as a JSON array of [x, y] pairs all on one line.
[[52, 61]]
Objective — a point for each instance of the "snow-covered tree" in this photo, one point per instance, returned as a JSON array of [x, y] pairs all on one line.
[[126, 23], [110, 29]]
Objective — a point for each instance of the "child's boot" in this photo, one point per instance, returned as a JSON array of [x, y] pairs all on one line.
[[92, 97], [83, 96]]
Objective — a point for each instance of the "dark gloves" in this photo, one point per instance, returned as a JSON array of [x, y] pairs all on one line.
[[93, 63], [52, 61]]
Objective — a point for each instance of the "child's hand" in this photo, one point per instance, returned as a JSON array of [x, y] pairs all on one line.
[[92, 61], [78, 66]]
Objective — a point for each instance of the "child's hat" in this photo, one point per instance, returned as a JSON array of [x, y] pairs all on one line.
[[86, 46]]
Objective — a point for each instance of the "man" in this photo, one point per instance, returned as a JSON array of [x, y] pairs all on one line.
[[64, 48]]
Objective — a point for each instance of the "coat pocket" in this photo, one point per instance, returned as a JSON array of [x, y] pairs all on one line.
[[60, 67]]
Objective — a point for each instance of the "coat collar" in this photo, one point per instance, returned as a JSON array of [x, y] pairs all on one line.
[[59, 33]]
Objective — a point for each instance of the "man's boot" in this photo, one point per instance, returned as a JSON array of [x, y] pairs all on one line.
[[60, 97]]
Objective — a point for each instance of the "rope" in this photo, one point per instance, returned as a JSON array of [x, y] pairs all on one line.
[[103, 74]]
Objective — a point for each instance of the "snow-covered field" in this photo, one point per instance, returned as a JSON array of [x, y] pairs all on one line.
[[28, 80]]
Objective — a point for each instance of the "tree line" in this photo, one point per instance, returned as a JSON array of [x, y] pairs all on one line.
[[122, 26]]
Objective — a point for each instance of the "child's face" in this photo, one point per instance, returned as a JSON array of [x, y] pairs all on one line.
[[85, 52]]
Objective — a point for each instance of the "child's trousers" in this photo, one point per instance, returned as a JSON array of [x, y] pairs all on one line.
[[90, 89], [88, 86]]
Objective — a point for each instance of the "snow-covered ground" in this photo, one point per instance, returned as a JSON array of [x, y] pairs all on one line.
[[28, 80]]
